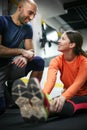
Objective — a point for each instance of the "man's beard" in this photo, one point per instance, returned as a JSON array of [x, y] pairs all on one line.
[[21, 19]]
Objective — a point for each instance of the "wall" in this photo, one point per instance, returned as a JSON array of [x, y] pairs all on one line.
[[3, 7], [84, 33], [37, 33]]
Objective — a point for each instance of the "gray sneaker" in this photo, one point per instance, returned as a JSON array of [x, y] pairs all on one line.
[[30, 100]]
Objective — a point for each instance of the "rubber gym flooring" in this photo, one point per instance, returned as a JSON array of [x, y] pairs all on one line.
[[12, 120]]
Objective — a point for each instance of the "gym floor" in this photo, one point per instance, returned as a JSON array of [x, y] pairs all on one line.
[[12, 120]]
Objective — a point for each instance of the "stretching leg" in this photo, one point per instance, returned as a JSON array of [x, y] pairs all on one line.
[[74, 105]]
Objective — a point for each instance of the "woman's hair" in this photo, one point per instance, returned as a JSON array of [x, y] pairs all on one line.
[[76, 37]]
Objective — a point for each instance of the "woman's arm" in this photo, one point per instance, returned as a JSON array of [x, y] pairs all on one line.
[[51, 76]]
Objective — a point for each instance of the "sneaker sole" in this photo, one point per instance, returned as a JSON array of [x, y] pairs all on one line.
[[37, 100], [20, 97], [29, 99]]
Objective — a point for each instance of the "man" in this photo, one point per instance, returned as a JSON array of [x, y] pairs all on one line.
[[15, 29]]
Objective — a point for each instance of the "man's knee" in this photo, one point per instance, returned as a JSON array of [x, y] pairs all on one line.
[[40, 62]]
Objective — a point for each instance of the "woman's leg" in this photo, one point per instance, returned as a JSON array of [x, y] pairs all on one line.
[[37, 100], [75, 105], [30, 100]]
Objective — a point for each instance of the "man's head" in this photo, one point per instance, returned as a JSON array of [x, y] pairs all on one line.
[[26, 10]]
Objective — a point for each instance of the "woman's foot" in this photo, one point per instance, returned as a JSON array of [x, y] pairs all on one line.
[[30, 100]]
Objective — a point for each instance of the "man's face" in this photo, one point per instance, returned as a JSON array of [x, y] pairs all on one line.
[[27, 13]]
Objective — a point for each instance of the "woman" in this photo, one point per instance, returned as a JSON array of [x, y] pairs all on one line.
[[72, 64]]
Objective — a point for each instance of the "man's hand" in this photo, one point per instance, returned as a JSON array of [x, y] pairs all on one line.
[[20, 61], [29, 54]]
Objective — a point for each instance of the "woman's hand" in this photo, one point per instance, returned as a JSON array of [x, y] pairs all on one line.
[[20, 61], [58, 103]]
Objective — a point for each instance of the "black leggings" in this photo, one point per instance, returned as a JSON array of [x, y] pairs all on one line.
[[76, 104]]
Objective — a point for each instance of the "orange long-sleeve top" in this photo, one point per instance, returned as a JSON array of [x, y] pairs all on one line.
[[73, 75]]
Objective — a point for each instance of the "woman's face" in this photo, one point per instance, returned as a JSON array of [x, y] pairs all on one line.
[[64, 43]]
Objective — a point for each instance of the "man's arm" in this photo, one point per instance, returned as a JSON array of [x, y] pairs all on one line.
[[28, 44], [9, 52], [21, 61]]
